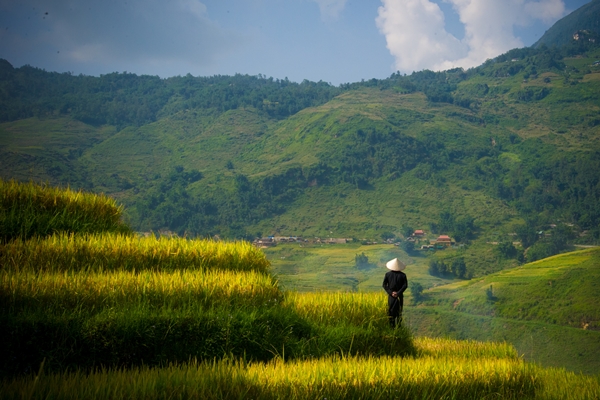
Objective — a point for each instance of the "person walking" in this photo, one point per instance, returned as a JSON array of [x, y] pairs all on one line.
[[395, 283]]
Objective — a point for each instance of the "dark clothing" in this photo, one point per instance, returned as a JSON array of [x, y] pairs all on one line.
[[395, 281]]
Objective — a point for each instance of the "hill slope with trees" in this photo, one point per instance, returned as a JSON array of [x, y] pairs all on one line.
[[503, 152]]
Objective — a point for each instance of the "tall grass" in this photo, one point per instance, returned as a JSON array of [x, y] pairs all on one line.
[[109, 252], [436, 347], [350, 323], [29, 209]]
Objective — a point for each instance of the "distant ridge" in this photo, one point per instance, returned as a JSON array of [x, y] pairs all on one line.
[[586, 17]]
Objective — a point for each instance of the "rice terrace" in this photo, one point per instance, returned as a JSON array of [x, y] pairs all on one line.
[[103, 313], [432, 235]]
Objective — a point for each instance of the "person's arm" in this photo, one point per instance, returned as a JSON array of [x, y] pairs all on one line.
[[386, 285], [404, 285]]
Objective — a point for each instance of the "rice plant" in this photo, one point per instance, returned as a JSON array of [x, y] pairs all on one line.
[[86, 293], [361, 309], [329, 377], [109, 252], [30, 209]]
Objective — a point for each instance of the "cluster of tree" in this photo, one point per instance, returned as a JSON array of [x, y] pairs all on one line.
[[537, 244], [124, 99], [168, 204], [365, 155], [361, 261], [544, 243], [508, 250], [456, 269]]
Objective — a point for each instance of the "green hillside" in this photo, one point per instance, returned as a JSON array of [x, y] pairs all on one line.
[[494, 154], [546, 309]]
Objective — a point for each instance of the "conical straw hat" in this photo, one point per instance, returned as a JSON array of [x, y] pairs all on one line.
[[395, 265]]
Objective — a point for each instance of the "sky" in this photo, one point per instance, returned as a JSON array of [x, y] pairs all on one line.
[[335, 41]]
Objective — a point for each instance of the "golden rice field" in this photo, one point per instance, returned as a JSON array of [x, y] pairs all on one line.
[[361, 309], [450, 371], [109, 315], [88, 292], [113, 251], [46, 197], [30, 209]]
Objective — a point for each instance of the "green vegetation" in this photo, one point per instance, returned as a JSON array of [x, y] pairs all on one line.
[[113, 300], [539, 307], [114, 252], [502, 157], [109, 300], [474, 154]]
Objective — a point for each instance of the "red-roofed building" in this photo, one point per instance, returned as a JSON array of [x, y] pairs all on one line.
[[444, 240], [419, 233]]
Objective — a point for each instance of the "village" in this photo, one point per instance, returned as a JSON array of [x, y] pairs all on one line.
[[419, 238]]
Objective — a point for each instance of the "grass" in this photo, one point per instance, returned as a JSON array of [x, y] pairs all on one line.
[[558, 290], [107, 315], [194, 291]]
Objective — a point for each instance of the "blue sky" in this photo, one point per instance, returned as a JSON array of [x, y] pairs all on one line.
[[335, 41]]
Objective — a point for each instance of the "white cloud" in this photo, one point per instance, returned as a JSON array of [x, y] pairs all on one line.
[[416, 35], [331, 8]]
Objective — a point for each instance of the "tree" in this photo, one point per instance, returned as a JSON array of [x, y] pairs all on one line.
[[387, 235], [361, 260], [446, 222], [407, 231], [434, 269], [527, 235], [459, 267], [506, 250], [408, 247], [489, 293], [417, 292]]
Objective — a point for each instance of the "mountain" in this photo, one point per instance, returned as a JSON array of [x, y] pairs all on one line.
[[583, 22], [495, 154]]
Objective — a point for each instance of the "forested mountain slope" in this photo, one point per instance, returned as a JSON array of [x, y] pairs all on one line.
[[507, 148]]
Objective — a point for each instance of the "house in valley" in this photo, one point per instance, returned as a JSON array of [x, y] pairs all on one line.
[[443, 241]]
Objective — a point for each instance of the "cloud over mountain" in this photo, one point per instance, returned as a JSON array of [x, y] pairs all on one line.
[[417, 37]]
